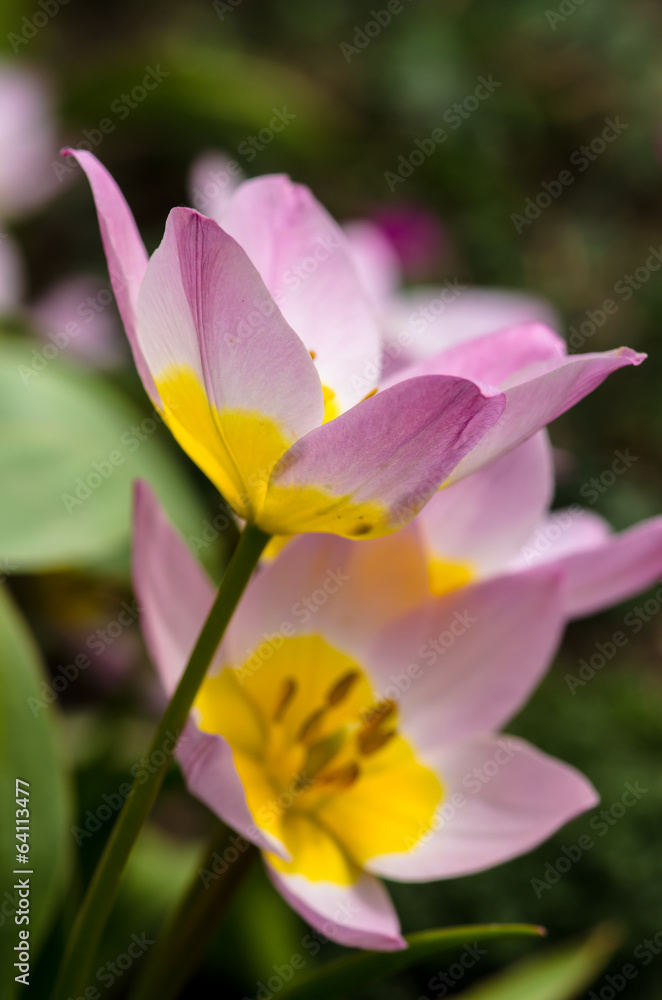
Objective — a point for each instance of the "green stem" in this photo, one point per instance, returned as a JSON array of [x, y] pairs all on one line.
[[91, 920], [185, 937]]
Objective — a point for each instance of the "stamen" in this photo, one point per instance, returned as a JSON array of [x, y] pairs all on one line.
[[310, 725], [377, 715], [342, 687], [342, 777], [369, 394], [313, 354], [372, 741], [322, 753], [290, 688]]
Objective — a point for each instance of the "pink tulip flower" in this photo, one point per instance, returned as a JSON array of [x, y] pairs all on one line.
[[349, 726], [259, 346]]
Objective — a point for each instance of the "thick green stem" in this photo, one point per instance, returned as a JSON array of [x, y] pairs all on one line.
[[78, 959], [186, 936]]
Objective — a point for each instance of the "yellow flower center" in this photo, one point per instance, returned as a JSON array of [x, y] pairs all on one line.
[[322, 762], [443, 577]]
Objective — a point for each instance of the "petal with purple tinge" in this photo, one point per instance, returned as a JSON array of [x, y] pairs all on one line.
[[540, 394], [125, 253], [370, 471], [483, 520], [600, 568], [503, 798], [306, 263], [474, 655], [238, 385], [360, 915]]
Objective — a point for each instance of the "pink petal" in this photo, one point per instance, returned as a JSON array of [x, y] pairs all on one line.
[[486, 518], [474, 655], [428, 320], [358, 916], [125, 253], [604, 571], [174, 597], [503, 798], [28, 141], [213, 179], [538, 395], [306, 263], [374, 258], [395, 448], [330, 586], [203, 304]]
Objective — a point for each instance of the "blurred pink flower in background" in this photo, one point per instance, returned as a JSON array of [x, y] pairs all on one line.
[[79, 315], [28, 140]]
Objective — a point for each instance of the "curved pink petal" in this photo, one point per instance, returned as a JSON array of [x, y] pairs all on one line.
[[203, 304], [539, 394], [427, 320], [503, 798], [304, 259], [561, 533], [357, 916], [394, 449], [374, 259], [620, 567], [495, 357], [125, 253], [484, 519], [212, 180], [174, 597], [474, 655]]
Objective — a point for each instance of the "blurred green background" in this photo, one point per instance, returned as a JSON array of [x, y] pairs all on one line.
[[562, 72]]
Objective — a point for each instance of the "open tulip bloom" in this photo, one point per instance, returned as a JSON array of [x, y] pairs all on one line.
[[497, 522], [259, 344], [350, 729]]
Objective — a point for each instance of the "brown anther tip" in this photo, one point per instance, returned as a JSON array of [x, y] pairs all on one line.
[[362, 529], [342, 687], [377, 714], [290, 688], [373, 741], [369, 394], [313, 354], [342, 777], [310, 725]]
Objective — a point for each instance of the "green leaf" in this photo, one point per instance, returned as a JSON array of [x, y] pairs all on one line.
[[30, 751], [70, 448], [560, 973], [350, 975]]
